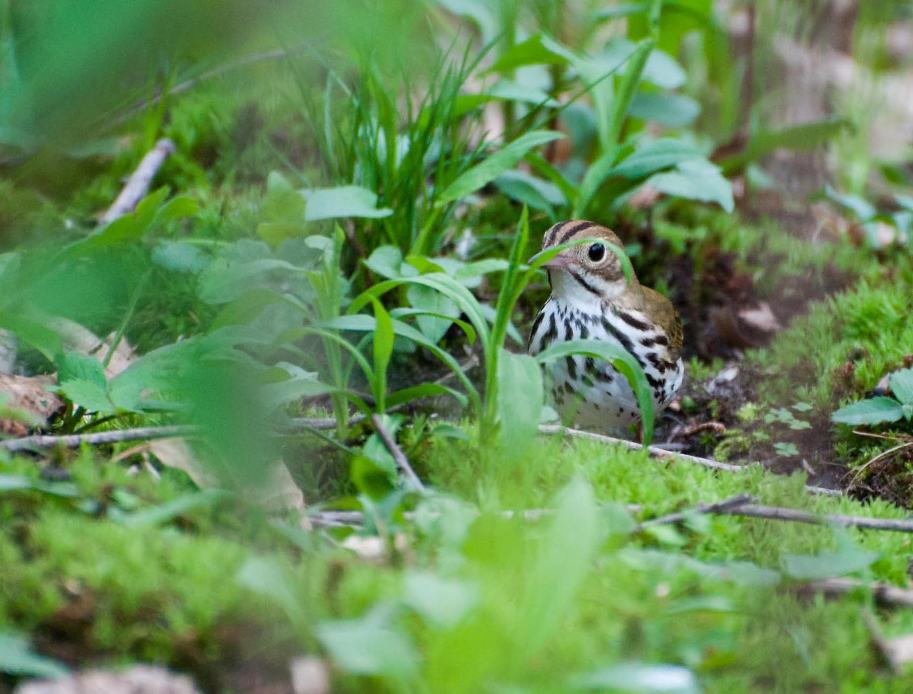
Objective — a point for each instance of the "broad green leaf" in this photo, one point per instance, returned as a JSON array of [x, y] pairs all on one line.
[[847, 559], [621, 360], [639, 678], [861, 208], [266, 577], [695, 179], [508, 90], [382, 351], [902, 385], [479, 11], [520, 400], [386, 261], [565, 555], [76, 365], [531, 191], [433, 301], [671, 110], [168, 511], [663, 70], [536, 50], [178, 256], [795, 137], [655, 156], [441, 602], [88, 394], [341, 202], [369, 645], [423, 390], [18, 658], [496, 164], [873, 411]]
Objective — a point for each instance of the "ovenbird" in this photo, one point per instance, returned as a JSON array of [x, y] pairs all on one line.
[[592, 299]]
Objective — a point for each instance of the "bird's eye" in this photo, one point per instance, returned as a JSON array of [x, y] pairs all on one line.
[[596, 252]]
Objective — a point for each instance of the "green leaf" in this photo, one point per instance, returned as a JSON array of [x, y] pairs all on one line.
[[266, 577], [565, 555], [382, 351], [695, 179], [873, 411], [17, 658], [341, 202], [369, 645], [496, 164], [671, 110], [536, 50], [655, 156], [435, 302], [441, 602], [902, 385], [847, 559], [619, 358], [178, 256], [386, 261], [423, 390], [639, 678], [76, 365], [794, 137], [167, 512], [520, 400], [531, 191], [88, 394]]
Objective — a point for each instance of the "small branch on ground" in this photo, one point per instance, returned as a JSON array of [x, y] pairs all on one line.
[[95, 438], [796, 516], [402, 462], [138, 184], [884, 594], [725, 506], [655, 451], [715, 427]]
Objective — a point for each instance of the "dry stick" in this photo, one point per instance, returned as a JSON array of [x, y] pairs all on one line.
[[138, 184], [402, 462], [724, 506], [883, 593], [796, 516], [96, 438], [553, 429]]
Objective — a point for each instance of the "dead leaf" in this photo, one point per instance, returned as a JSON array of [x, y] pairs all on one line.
[[643, 198], [310, 675], [25, 403], [139, 679], [761, 318]]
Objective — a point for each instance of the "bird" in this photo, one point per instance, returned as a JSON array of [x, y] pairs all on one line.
[[592, 299]]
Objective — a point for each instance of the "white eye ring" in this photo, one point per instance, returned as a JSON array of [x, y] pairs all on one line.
[[596, 252]]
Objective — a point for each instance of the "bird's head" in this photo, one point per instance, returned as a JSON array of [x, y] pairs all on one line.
[[589, 272]]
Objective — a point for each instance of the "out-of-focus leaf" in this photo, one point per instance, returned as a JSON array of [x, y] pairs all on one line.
[[440, 601], [179, 256], [74, 365], [531, 191], [342, 202], [639, 678], [565, 555], [268, 578], [430, 300], [18, 658], [88, 394], [794, 137], [695, 179], [655, 156], [872, 411], [386, 261], [847, 558], [902, 385], [369, 645], [479, 11], [164, 513], [671, 110], [536, 50], [520, 400], [862, 209], [496, 164]]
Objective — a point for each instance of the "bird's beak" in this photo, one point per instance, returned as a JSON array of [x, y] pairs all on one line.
[[559, 262]]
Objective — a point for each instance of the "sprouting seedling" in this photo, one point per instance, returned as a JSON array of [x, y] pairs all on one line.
[[882, 409]]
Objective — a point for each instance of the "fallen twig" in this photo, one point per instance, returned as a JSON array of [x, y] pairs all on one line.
[[138, 184], [883, 593], [96, 438], [402, 462], [797, 516], [553, 429], [724, 506]]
